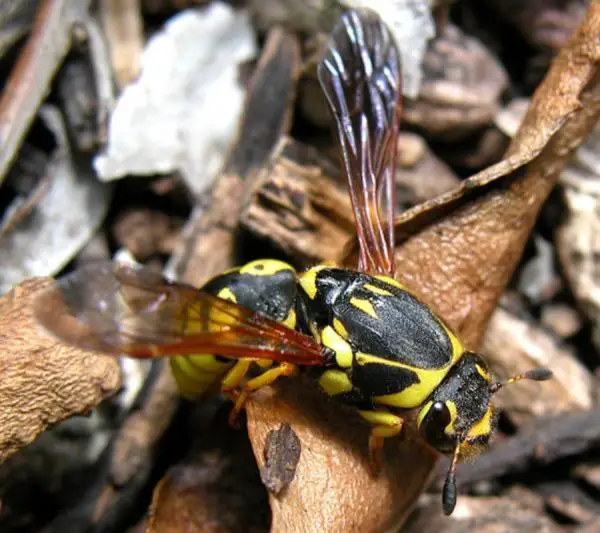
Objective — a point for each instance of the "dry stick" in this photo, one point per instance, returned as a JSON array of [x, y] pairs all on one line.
[[208, 246], [24, 209], [549, 439], [49, 42], [267, 117]]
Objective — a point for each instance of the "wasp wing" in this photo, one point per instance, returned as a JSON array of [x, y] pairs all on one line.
[[360, 75], [133, 310]]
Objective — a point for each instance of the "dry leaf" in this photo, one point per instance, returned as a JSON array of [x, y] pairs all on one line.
[[42, 381], [457, 252], [334, 488]]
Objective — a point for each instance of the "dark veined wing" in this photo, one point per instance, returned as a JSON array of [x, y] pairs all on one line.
[[133, 310], [360, 75]]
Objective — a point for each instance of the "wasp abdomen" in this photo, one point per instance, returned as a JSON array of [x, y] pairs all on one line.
[[266, 286]]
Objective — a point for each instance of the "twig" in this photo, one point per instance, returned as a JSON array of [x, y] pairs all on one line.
[[550, 439], [49, 42]]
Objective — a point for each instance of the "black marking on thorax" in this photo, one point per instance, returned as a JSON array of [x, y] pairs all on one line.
[[404, 329], [272, 296]]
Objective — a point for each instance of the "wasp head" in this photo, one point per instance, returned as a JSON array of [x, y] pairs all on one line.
[[458, 418]]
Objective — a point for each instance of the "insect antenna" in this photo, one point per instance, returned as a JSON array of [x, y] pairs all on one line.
[[449, 490], [537, 374]]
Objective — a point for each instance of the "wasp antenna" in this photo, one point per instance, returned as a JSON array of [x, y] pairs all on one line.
[[537, 374], [449, 490]]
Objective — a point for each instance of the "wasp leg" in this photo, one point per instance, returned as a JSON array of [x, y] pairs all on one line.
[[236, 375], [232, 381], [266, 378], [385, 425]]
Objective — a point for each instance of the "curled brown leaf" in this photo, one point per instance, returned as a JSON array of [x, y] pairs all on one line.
[[42, 381], [457, 252]]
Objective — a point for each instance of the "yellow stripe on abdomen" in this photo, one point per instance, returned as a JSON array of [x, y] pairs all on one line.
[[197, 375]]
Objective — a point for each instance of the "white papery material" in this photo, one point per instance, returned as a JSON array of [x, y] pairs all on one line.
[[183, 112]]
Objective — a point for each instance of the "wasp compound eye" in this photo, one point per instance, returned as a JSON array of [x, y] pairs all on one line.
[[433, 427]]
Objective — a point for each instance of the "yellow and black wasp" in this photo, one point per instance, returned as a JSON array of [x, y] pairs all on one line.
[[369, 341]]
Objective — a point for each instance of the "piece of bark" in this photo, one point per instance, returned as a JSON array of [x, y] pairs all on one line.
[[282, 453], [461, 90], [133, 445], [76, 91], [298, 208], [43, 381], [301, 205], [91, 39]]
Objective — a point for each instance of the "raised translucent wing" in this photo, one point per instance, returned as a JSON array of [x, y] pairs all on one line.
[[360, 75], [133, 310]]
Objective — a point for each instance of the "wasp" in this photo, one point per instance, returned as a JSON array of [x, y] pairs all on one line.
[[366, 339]]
